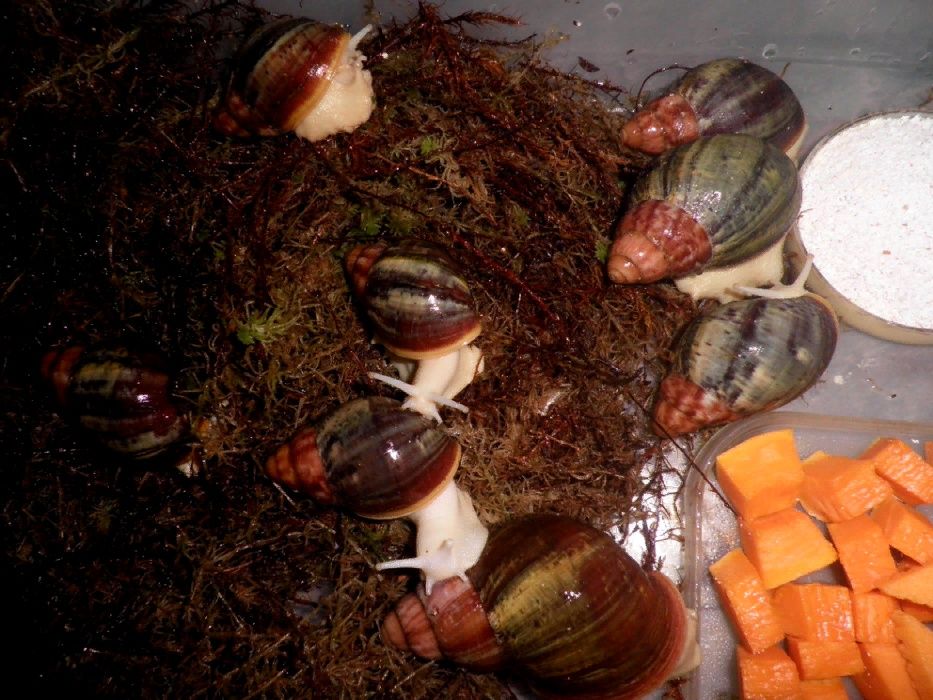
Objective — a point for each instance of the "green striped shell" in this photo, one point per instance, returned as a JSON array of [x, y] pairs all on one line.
[[745, 357], [742, 191]]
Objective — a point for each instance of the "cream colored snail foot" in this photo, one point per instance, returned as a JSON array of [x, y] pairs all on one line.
[[778, 290]]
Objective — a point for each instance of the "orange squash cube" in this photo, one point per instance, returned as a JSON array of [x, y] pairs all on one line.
[[829, 689], [839, 488], [816, 611], [863, 552], [928, 451], [924, 613], [762, 474], [907, 530], [915, 584], [915, 642], [885, 676], [871, 613], [746, 602], [817, 660], [770, 675], [909, 474], [784, 546]]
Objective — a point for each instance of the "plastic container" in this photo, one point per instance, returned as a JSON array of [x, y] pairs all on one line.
[[711, 529]]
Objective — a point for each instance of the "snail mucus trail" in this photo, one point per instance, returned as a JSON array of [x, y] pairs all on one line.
[[297, 74], [561, 604], [421, 310], [381, 461]]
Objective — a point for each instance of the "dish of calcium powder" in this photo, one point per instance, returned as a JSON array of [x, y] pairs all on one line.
[[867, 215]]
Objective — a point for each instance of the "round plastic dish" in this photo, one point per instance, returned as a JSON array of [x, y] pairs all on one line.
[[849, 312]]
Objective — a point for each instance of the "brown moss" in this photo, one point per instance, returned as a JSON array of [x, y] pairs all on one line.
[[131, 218]]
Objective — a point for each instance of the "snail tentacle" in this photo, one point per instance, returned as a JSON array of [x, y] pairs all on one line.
[[781, 291]]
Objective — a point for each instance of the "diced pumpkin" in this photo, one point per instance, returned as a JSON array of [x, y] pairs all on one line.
[[906, 529], [914, 584], [915, 642], [871, 613], [885, 676], [762, 474], [770, 675], [924, 613], [784, 546], [909, 474], [839, 488], [746, 602], [928, 451], [822, 659], [816, 611], [863, 552], [829, 689]]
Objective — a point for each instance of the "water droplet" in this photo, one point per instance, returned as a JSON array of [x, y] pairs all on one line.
[[612, 10], [855, 51], [769, 50], [577, 23]]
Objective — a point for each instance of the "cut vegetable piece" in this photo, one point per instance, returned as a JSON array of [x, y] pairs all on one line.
[[863, 552], [914, 584], [784, 546], [885, 676], [924, 613], [909, 474], [816, 611], [872, 616], [761, 475], [906, 529], [928, 451], [829, 689], [915, 642], [839, 488], [770, 675], [746, 602], [818, 660]]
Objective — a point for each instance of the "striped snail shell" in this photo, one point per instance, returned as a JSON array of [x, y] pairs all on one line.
[[371, 457], [119, 396], [712, 203], [560, 603], [296, 74], [724, 96], [745, 357]]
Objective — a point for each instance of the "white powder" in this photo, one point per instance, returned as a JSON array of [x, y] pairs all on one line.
[[867, 215]]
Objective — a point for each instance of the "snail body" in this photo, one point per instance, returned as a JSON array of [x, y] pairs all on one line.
[[745, 357], [713, 203], [296, 74], [381, 461], [421, 309], [560, 603], [723, 96], [119, 396]]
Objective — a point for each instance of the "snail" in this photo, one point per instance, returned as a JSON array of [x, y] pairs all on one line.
[[297, 75], [560, 603], [122, 398], [717, 204], [422, 311], [747, 356], [381, 461], [724, 96]]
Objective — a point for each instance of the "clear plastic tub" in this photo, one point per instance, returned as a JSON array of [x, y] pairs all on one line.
[[711, 530]]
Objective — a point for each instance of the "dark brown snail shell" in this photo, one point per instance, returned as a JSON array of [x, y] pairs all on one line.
[[745, 357], [560, 603], [417, 301], [371, 457], [724, 96], [713, 203], [280, 74], [119, 396]]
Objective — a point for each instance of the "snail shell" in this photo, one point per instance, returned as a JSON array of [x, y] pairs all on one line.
[[297, 75], [418, 303], [559, 602], [745, 357], [121, 397], [371, 457], [724, 96], [712, 203]]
